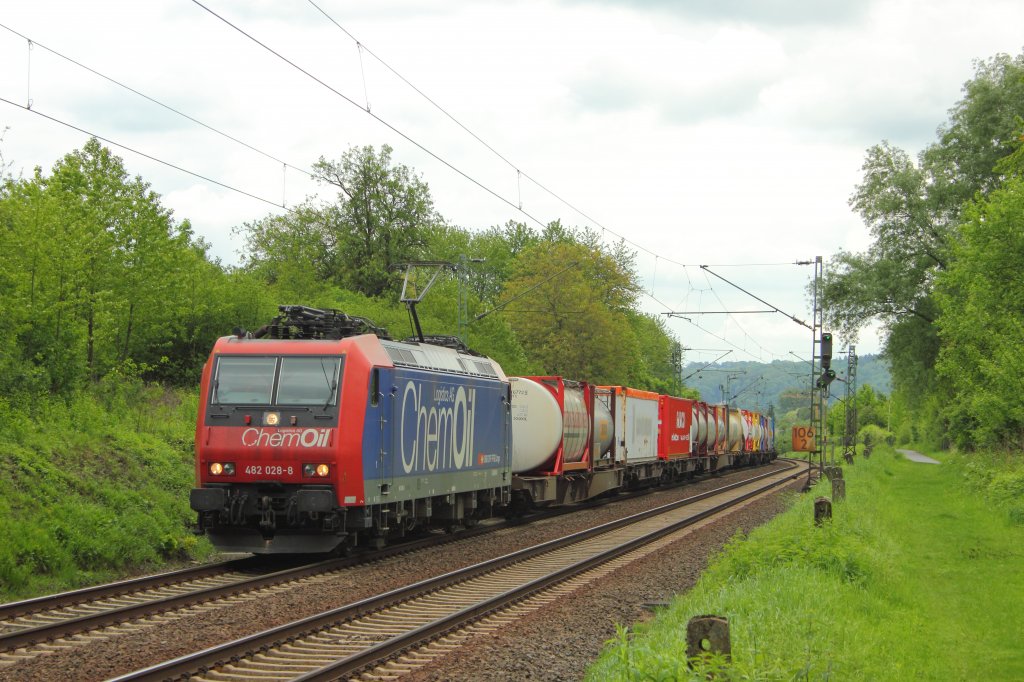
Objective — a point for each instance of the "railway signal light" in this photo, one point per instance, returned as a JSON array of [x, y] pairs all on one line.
[[826, 378], [826, 350]]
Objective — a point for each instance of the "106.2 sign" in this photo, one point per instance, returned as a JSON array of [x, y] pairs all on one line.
[[803, 439]]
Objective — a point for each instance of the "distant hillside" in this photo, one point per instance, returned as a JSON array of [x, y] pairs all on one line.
[[758, 384]]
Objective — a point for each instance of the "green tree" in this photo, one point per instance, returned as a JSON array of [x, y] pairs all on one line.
[[913, 211], [97, 276], [568, 306], [982, 323], [383, 214], [294, 253], [654, 368]]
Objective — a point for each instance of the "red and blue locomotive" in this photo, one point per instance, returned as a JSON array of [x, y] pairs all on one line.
[[318, 433], [311, 435]]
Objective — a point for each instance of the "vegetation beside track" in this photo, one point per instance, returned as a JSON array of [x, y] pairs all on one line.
[[94, 485], [916, 577]]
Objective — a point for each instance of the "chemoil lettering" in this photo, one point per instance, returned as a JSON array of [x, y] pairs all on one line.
[[302, 438], [436, 428]]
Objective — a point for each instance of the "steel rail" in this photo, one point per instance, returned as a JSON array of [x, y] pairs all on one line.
[[381, 652], [204, 661], [72, 625], [63, 625], [86, 594]]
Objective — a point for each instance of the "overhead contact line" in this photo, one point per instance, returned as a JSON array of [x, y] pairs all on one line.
[[377, 118], [148, 156], [156, 101]]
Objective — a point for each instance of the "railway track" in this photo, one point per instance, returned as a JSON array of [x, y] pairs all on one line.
[[40, 612], [35, 626], [446, 610], [45, 620]]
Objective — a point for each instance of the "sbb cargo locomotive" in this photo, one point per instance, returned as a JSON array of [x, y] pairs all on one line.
[[318, 432]]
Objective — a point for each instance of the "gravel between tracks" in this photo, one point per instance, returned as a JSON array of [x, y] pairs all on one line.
[[556, 643], [559, 642]]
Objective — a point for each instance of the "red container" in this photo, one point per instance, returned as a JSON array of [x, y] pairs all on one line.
[[675, 417]]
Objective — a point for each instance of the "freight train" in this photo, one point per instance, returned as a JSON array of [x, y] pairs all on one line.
[[318, 433]]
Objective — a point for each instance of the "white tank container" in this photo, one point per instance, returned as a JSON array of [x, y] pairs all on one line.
[[694, 427], [539, 427], [604, 429], [720, 418], [536, 425], [702, 427], [575, 426], [736, 430]]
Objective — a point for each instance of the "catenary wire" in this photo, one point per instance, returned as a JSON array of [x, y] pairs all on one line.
[[156, 101], [377, 118], [708, 331], [519, 171], [734, 320], [144, 154]]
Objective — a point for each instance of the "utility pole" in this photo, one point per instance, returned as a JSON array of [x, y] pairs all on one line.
[[677, 366], [817, 397], [850, 430], [462, 277]]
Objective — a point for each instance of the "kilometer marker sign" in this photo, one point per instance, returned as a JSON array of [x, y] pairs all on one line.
[[803, 439]]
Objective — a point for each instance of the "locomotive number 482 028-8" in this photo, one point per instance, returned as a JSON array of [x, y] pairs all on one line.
[[268, 470]]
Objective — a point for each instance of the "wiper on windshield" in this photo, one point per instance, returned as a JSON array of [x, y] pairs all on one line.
[[332, 386]]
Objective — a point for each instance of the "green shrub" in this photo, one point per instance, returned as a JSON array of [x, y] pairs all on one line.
[[96, 485], [998, 476], [875, 435]]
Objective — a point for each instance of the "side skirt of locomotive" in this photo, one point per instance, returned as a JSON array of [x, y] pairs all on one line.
[[374, 524], [300, 520]]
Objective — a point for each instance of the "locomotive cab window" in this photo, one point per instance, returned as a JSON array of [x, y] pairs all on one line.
[[244, 380], [267, 380], [309, 381]]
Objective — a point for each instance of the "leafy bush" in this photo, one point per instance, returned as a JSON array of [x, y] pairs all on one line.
[[97, 485], [999, 477], [875, 435]]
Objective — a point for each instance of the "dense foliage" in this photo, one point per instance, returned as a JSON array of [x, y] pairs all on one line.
[[940, 275], [98, 278], [94, 484]]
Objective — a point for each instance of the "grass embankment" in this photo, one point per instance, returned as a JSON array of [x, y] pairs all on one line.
[[94, 486], [918, 576]]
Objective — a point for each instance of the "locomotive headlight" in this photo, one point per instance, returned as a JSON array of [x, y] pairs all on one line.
[[222, 468], [320, 470], [271, 418]]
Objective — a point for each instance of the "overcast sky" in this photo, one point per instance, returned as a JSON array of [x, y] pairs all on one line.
[[723, 133]]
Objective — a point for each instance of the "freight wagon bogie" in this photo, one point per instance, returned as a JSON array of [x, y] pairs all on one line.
[[537, 491]]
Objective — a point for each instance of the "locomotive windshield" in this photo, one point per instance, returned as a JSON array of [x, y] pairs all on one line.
[[244, 380], [294, 380], [308, 381]]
